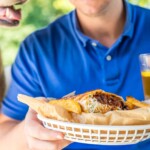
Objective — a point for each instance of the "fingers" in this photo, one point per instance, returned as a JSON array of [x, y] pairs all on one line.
[[37, 144], [38, 131], [40, 138], [31, 113], [35, 129]]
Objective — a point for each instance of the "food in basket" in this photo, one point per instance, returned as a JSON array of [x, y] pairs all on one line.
[[68, 104], [96, 101], [135, 103], [45, 109], [93, 107]]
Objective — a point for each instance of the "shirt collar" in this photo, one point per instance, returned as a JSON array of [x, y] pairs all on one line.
[[83, 38], [128, 28]]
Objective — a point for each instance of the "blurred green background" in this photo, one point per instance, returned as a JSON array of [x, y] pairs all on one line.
[[36, 14]]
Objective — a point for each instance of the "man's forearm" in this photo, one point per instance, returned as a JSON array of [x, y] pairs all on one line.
[[12, 136]]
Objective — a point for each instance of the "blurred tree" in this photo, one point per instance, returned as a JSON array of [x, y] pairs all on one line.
[[144, 3], [36, 14]]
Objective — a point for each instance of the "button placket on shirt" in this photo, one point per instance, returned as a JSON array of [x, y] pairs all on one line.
[[111, 70], [108, 64]]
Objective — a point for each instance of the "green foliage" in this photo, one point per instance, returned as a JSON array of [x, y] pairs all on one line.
[[144, 3], [10, 40], [36, 14]]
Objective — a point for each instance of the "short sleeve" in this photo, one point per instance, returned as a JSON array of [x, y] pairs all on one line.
[[24, 81]]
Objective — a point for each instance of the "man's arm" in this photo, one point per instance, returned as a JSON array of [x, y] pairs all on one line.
[[12, 134]]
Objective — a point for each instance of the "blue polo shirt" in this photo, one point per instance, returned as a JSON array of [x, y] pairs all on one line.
[[59, 59]]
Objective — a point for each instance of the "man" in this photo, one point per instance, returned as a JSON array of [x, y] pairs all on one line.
[[95, 46], [9, 17]]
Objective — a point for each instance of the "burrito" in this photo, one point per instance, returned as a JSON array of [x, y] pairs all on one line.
[[96, 101]]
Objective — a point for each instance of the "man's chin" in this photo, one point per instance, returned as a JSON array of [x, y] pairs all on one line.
[[91, 12]]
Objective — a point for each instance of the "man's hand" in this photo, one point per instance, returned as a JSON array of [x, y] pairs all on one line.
[[40, 138]]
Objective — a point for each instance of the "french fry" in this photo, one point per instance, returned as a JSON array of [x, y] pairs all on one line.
[[69, 105], [135, 102], [129, 105]]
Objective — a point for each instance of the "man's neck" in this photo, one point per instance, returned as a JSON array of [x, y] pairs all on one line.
[[107, 27]]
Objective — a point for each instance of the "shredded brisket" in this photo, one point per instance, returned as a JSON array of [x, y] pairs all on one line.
[[109, 99]]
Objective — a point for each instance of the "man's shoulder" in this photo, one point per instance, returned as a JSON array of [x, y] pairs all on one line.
[[65, 19], [61, 24]]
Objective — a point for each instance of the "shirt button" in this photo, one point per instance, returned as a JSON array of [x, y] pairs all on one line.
[[94, 44], [108, 58]]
